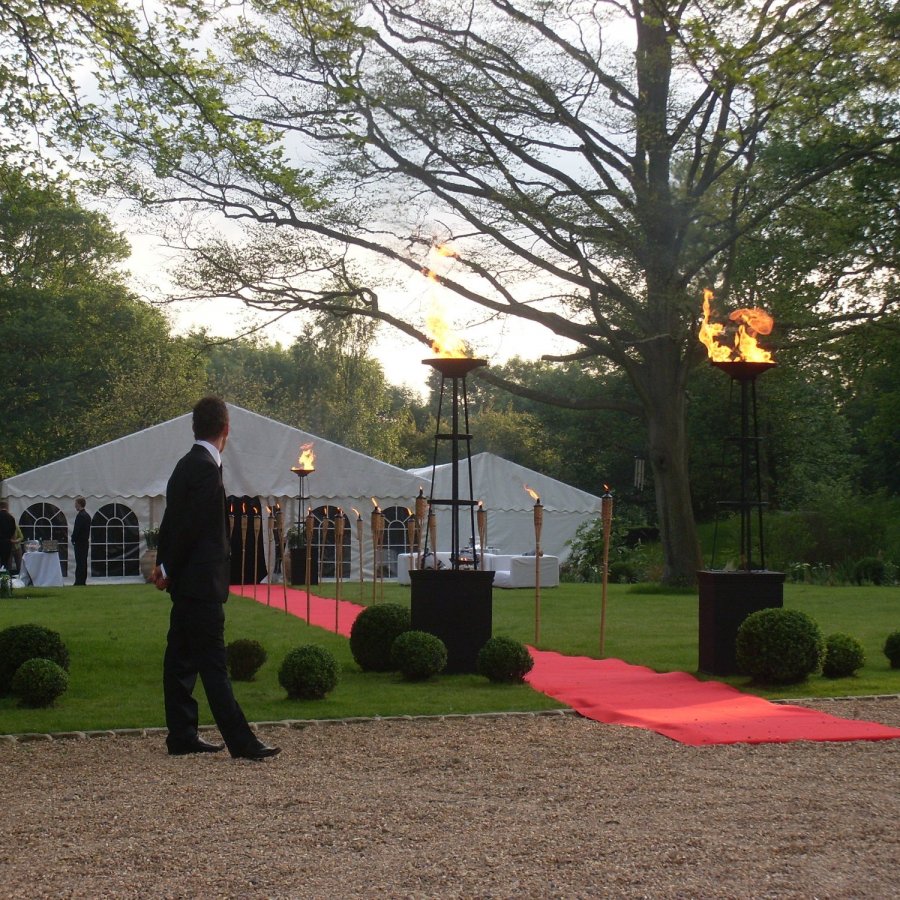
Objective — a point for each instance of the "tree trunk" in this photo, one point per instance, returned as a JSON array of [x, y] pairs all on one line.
[[663, 394]]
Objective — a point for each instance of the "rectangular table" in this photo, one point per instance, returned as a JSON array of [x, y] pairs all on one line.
[[41, 569], [513, 570]]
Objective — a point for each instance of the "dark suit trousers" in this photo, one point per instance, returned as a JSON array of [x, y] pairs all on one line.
[[81, 561], [196, 646]]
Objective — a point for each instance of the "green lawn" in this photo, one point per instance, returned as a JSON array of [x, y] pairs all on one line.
[[116, 636]]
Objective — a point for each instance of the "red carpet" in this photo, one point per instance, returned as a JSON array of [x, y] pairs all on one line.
[[681, 707], [321, 609], [608, 690]]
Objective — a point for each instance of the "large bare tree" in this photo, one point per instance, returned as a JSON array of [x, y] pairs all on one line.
[[594, 163]]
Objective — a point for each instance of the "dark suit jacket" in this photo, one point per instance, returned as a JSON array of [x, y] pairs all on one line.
[[81, 530], [193, 537]]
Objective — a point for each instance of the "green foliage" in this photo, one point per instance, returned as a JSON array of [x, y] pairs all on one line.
[[39, 682], [19, 643], [870, 570], [892, 649], [504, 660], [373, 634], [309, 672], [81, 335], [779, 646], [844, 656], [835, 528], [245, 657], [418, 655]]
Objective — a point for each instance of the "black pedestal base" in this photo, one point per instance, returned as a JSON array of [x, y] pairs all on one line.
[[457, 607], [726, 599]]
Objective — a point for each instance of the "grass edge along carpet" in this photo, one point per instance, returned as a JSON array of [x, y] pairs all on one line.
[[673, 704]]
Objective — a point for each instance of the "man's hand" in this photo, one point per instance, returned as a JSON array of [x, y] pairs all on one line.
[[160, 580]]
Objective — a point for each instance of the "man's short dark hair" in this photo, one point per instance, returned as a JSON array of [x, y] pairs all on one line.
[[210, 418], [80, 502]]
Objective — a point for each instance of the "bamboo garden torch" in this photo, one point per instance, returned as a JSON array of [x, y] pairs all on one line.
[[270, 528], [338, 563], [254, 514], [606, 508], [243, 544], [310, 525], [377, 542], [432, 535], [411, 538], [481, 518], [421, 512], [281, 539], [359, 541], [538, 525]]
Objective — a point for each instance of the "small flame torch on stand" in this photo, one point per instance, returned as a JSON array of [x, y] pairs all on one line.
[[606, 514], [377, 542], [359, 541], [338, 563], [538, 526]]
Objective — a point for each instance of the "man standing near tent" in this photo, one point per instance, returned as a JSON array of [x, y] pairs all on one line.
[[193, 565], [81, 538]]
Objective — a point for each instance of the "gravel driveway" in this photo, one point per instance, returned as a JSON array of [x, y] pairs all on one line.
[[514, 806]]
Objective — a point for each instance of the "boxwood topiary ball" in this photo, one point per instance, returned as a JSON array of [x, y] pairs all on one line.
[[844, 655], [308, 673], [19, 643], [503, 659], [244, 658], [373, 634], [892, 649], [38, 682], [419, 655], [779, 646]]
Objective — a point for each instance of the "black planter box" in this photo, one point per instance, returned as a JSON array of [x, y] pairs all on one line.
[[457, 607], [298, 565], [726, 599]]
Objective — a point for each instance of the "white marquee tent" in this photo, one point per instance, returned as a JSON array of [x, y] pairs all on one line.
[[124, 483], [125, 480], [500, 484]]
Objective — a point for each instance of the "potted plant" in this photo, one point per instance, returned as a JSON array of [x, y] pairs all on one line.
[[296, 541], [148, 557]]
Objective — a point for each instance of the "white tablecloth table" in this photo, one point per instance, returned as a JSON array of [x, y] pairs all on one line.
[[41, 569], [513, 570]]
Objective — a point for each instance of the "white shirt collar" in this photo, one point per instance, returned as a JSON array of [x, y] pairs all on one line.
[[213, 451]]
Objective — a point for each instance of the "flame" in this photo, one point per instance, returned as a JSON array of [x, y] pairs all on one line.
[[306, 459], [358, 513], [444, 341], [375, 504], [532, 493], [751, 322]]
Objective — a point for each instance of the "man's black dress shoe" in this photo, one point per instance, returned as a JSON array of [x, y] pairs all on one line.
[[257, 753], [196, 746]]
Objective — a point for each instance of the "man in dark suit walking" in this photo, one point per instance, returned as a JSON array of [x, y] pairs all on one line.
[[193, 565], [81, 538]]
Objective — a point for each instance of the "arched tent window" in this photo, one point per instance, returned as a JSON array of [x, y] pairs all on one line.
[[115, 542], [46, 521], [324, 541], [396, 537]]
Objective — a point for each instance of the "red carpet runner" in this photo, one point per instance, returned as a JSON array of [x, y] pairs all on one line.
[[608, 690], [681, 707]]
